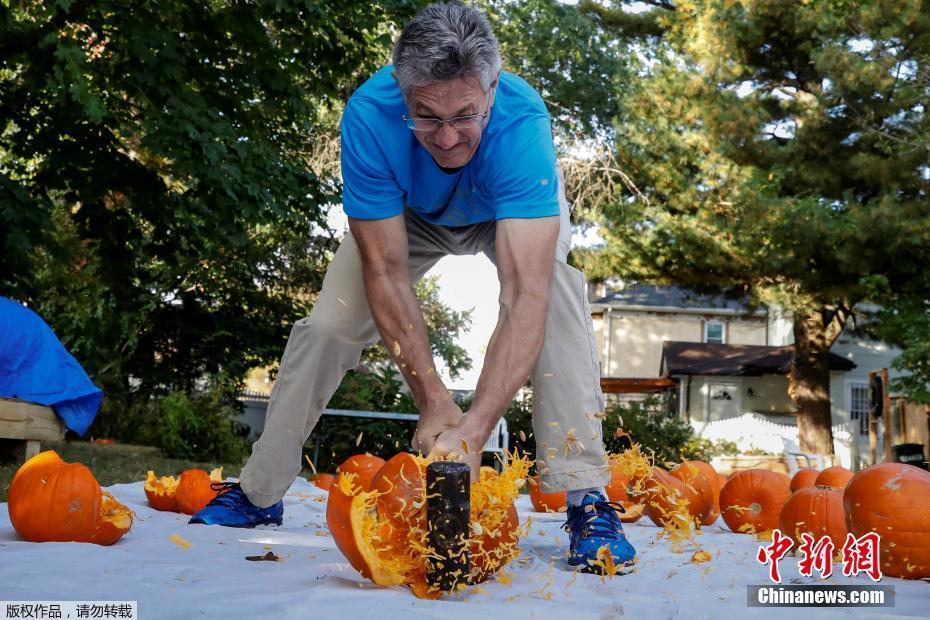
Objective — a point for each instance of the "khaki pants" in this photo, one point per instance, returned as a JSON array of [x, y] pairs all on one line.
[[327, 344]]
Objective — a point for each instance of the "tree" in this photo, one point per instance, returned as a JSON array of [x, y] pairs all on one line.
[[903, 319], [779, 149], [579, 69], [156, 203]]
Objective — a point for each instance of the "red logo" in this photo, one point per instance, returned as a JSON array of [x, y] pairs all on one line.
[[817, 556], [860, 555], [771, 554]]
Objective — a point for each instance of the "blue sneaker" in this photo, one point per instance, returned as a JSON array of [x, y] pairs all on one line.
[[595, 531], [233, 509]]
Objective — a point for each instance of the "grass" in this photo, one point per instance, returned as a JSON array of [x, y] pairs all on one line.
[[115, 463]]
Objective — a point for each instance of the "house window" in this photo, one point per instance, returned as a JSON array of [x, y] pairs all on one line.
[[714, 332], [859, 405]]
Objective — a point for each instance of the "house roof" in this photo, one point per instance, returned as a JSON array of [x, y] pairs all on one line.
[[710, 358], [673, 298], [630, 385]]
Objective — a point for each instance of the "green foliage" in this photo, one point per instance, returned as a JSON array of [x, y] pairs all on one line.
[[648, 425], [156, 202], [701, 449], [342, 437], [775, 149], [198, 427], [380, 389], [571, 62], [519, 418], [903, 320], [444, 325]]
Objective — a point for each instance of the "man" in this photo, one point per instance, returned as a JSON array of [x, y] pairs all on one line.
[[442, 153]]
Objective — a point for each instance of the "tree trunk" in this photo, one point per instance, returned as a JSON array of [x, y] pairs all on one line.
[[809, 377]]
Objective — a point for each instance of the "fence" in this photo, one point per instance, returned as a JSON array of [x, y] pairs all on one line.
[[753, 431], [255, 406]]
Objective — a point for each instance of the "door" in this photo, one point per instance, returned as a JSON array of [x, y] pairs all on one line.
[[723, 400]]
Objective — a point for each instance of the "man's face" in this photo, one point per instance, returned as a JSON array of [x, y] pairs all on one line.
[[450, 147]]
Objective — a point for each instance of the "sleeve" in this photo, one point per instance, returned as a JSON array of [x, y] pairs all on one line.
[[526, 183], [369, 188]]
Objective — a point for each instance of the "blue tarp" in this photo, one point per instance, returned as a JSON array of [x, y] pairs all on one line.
[[36, 367]]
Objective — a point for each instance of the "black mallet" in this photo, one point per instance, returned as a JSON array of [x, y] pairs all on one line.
[[448, 509]]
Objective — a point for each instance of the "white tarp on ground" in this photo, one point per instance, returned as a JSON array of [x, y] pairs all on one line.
[[212, 579]]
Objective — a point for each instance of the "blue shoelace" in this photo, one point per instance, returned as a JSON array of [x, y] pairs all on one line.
[[601, 521]]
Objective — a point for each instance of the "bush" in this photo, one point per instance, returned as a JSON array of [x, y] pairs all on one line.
[[701, 449], [519, 418], [380, 389], [648, 425], [199, 427]]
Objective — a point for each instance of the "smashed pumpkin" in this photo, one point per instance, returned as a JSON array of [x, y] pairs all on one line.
[[666, 494], [160, 491], [114, 520], [51, 500], [702, 478], [364, 466], [382, 531], [628, 473]]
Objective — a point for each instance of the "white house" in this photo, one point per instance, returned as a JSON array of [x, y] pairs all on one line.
[[729, 359]]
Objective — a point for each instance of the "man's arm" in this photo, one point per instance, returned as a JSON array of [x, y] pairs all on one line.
[[396, 311], [525, 251]]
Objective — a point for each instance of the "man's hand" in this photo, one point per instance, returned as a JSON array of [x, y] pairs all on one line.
[[435, 419], [459, 444]]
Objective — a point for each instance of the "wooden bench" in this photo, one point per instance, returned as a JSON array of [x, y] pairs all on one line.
[[24, 425]]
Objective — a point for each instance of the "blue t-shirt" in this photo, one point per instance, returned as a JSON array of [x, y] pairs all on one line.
[[512, 173]]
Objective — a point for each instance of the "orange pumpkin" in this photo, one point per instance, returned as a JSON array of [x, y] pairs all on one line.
[[115, 520], [665, 493], [382, 531], [195, 489], [323, 481], [546, 501], [893, 500], [836, 477], [701, 477], [401, 485], [347, 510], [364, 466], [627, 492], [804, 478], [50, 500], [817, 511], [751, 501], [495, 546], [160, 491]]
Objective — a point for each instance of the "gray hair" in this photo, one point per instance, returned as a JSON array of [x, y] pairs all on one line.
[[443, 42]]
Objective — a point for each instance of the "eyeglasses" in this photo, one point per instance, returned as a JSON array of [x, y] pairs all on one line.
[[429, 125]]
